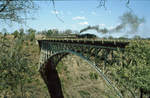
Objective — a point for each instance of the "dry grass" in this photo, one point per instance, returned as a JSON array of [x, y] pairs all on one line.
[[76, 80]]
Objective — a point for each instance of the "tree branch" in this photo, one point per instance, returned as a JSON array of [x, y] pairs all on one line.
[[4, 6], [56, 11]]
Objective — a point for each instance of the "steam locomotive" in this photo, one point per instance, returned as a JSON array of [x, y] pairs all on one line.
[[76, 36], [86, 36]]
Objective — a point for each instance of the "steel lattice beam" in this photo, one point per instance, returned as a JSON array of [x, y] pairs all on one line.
[[93, 51]]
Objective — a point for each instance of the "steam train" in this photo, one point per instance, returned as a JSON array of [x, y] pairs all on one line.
[[86, 36], [76, 36]]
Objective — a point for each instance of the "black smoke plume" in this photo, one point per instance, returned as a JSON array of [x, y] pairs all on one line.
[[128, 21], [94, 28]]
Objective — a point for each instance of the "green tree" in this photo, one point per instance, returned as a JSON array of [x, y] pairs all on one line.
[[131, 69], [49, 33], [136, 37], [16, 34], [110, 37], [68, 31], [31, 34], [21, 32], [55, 32], [123, 38], [15, 68]]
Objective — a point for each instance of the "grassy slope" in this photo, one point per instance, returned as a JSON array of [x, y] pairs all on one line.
[[80, 80]]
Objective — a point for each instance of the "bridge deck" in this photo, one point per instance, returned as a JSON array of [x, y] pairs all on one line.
[[95, 42]]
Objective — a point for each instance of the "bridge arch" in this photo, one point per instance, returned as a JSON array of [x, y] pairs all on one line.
[[92, 51], [50, 74]]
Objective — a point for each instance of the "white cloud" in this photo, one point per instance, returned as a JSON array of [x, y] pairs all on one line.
[[93, 13], [79, 18], [102, 25], [54, 12], [111, 27], [83, 23]]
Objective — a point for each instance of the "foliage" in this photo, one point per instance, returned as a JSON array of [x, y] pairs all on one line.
[[18, 76], [123, 38], [14, 67], [68, 31], [136, 37], [93, 76], [49, 33], [16, 33], [55, 31], [31, 34], [130, 68], [139, 64], [21, 32], [14, 10], [84, 94], [133, 67]]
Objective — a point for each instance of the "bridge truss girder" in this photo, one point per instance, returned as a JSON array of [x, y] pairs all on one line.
[[53, 52]]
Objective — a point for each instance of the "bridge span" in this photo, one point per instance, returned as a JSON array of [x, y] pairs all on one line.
[[92, 50]]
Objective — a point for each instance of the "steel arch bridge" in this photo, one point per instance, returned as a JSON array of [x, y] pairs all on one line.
[[91, 50]]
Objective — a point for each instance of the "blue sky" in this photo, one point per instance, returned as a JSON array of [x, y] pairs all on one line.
[[78, 14]]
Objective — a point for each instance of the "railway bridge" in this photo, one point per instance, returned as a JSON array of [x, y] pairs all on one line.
[[91, 50]]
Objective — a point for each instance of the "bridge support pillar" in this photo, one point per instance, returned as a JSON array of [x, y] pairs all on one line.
[[52, 80]]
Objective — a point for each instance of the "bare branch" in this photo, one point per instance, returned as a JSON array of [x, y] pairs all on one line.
[[102, 3], [4, 6], [15, 10], [127, 5], [56, 11]]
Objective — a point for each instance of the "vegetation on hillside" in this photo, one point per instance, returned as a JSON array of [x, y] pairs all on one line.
[[18, 67], [129, 70]]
